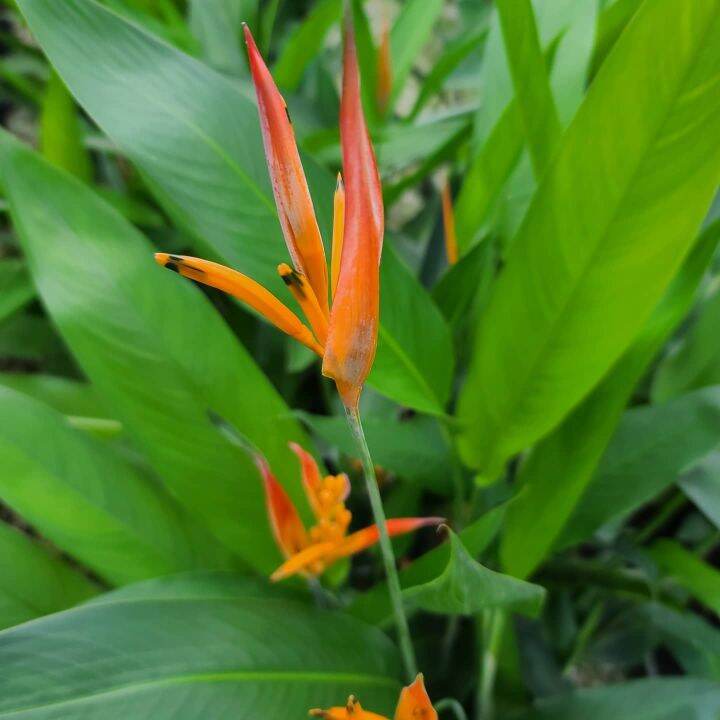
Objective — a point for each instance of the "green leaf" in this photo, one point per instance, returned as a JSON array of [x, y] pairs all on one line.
[[414, 362], [89, 502], [649, 699], [305, 43], [691, 572], [16, 289], [367, 60], [530, 79], [375, 607], [411, 30], [453, 54], [412, 448], [465, 587], [61, 134], [32, 343], [155, 350], [610, 185], [651, 447], [701, 483], [695, 363], [561, 465], [33, 582], [193, 659], [217, 26], [611, 23]]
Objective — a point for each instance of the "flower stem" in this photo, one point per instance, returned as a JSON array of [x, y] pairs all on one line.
[[403, 630]]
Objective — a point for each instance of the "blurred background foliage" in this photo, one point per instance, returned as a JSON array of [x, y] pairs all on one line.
[[555, 393]]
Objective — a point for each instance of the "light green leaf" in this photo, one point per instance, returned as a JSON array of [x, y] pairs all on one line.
[[465, 587], [651, 447], [611, 23], [91, 503], [530, 80], [61, 134], [35, 582], [16, 289], [412, 448], [581, 278], [688, 570], [411, 30], [217, 26], [193, 659], [375, 607], [305, 43], [649, 699], [155, 350], [561, 465]]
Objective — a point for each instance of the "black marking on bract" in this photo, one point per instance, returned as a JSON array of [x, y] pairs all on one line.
[[172, 266], [287, 112], [287, 279]]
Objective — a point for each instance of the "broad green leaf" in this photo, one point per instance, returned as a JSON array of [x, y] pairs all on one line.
[[155, 350], [69, 397], [453, 54], [667, 698], [33, 581], [61, 133], [199, 585], [305, 42], [691, 572], [609, 187], [375, 607], [695, 363], [411, 30], [16, 289], [412, 448], [465, 587], [197, 140], [91, 503], [530, 79], [414, 361], [217, 26], [701, 483], [611, 23], [561, 465], [650, 448], [193, 659]]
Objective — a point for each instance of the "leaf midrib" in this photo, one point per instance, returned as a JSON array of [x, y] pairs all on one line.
[[589, 264]]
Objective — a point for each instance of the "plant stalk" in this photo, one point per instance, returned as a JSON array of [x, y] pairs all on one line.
[[403, 629]]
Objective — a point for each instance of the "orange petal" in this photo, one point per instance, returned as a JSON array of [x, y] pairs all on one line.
[[304, 294], [384, 70], [352, 337], [312, 480], [451, 246], [368, 536], [301, 561], [414, 703], [338, 229], [285, 522], [243, 288], [352, 711], [292, 197]]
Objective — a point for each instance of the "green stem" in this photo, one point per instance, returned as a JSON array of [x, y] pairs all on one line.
[[453, 705], [393, 582], [493, 622]]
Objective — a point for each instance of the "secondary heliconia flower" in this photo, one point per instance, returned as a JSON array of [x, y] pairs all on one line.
[[451, 247], [344, 336], [311, 551], [414, 704], [384, 71]]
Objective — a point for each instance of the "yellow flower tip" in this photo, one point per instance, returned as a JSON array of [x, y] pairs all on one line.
[[290, 277], [340, 185]]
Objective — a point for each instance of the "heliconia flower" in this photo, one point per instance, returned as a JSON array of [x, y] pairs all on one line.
[[311, 551], [344, 336], [384, 71], [451, 246], [414, 704]]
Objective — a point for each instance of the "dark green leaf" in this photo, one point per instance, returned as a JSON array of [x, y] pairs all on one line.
[[16, 289], [701, 483]]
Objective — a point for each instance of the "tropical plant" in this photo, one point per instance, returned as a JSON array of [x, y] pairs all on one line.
[[497, 228]]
